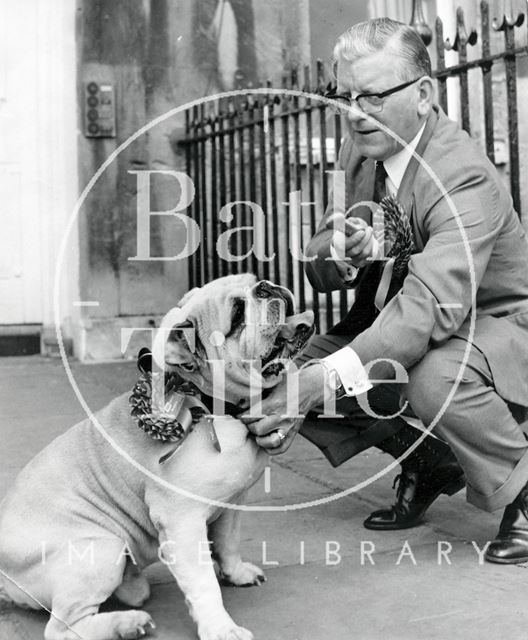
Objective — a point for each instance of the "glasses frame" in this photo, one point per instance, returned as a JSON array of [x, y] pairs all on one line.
[[332, 95]]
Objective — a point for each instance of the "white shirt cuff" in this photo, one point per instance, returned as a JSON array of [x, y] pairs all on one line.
[[346, 363]]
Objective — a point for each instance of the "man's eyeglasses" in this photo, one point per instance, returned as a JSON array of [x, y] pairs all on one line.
[[367, 102]]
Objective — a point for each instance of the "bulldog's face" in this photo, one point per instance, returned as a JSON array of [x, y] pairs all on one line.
[[236, 328]]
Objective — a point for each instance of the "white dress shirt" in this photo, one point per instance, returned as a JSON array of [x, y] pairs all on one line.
[[396, 165]]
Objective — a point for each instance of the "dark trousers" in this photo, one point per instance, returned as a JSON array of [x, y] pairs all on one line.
[[466, 411]]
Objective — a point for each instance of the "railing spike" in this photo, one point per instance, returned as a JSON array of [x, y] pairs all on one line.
[[439, 32], [462, 38], [307, 79], [294, 77], [508, 19], [419, 24], [320, 75]]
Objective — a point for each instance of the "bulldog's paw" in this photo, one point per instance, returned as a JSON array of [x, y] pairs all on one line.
[[228, 632], [133, 624], [244, 574]]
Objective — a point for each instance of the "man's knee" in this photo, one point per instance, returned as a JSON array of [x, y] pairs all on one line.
[[430, 383]]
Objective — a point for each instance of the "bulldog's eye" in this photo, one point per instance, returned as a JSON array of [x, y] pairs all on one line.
[[239, 312], [187, 366]]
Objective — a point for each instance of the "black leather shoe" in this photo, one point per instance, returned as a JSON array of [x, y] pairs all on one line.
[[511, 544], [416, 491]]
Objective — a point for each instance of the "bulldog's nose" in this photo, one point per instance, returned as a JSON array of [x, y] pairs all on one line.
[[263, 289], [300, 322]]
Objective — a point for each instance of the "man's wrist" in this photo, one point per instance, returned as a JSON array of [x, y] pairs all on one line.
[[332, 380], [313, 376], [349, 368], [322, 382]]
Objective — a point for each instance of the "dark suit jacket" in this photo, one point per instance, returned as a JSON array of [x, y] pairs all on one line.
[[472, 254]]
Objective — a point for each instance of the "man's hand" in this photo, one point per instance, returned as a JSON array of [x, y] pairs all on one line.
[[353, 238], [274, 428]]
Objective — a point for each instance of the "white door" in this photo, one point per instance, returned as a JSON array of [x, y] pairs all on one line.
[[20, 223]]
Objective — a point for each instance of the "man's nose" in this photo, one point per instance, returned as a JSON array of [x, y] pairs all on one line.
[[354, 114]]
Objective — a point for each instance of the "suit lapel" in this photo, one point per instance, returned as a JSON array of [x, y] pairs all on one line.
[[360, 176], [405, 192], [407, 183]]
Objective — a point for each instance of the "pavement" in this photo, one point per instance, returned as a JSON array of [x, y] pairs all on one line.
[[423, 583]]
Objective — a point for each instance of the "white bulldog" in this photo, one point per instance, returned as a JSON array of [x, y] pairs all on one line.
[[101, 502]]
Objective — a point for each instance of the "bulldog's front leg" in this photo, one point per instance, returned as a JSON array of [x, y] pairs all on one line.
[[185, 550], [224, 533]]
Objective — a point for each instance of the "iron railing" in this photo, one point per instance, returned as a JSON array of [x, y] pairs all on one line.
[[278, 152], [506, 57]]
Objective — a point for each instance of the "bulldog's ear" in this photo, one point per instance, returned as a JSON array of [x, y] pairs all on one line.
[[180, 346], [187, 297]]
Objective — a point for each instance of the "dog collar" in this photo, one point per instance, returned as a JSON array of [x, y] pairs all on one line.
[[230, 409], [182, 410]]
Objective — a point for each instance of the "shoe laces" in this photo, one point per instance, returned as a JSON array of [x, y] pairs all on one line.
[[403, 480]]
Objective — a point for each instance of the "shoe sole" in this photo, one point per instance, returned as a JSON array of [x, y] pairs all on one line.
[[393, 527], [505, 560], [453, 487]]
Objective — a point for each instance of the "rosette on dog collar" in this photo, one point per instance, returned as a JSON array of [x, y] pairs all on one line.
[[176, 419]]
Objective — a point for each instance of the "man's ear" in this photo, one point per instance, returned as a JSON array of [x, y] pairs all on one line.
[[426, 97]]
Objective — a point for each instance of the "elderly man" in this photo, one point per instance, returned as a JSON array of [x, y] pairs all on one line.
[[459, 323]]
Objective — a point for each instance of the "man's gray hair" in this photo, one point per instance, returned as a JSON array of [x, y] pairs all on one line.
[[365, 38]]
